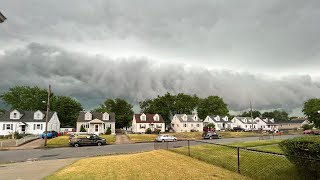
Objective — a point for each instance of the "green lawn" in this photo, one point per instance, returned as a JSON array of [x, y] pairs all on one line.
[[142, 137], [148, 166], [256, 143], [271, 148], [253, 164], [63, 141]]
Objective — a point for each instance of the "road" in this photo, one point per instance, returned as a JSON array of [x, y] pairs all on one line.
[[89, 151]]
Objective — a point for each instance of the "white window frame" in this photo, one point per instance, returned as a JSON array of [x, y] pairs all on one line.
[[185, 125], [8, 126], [15, 115], [38, 127]]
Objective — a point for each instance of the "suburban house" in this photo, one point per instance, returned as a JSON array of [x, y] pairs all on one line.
[[266, 124], [220, 122], [96, 122], [141, 122], [246, 123], [28, 122], [186, 123], [293, 124]]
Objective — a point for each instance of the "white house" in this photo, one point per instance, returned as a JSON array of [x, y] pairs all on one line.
[[186, 123], [28, 122], [266, 124], [96, 122], [220, 122], [141, 122], [296, 123], [246, 123]]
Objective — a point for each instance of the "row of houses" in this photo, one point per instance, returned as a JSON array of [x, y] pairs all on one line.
[[30, 122]]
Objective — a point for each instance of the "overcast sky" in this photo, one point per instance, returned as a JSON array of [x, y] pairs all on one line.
[[266, 51]]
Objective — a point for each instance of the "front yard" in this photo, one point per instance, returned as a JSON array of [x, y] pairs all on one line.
[[63, 141], [149, 165]]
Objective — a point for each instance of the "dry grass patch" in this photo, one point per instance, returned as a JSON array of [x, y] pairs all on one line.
[[149, 165], [142, 137]]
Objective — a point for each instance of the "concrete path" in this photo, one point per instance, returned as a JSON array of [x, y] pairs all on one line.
[[32, 145], [122, 139], [33, 170], [88, 151]]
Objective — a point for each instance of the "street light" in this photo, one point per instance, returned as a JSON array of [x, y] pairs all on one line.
[[2, 18]]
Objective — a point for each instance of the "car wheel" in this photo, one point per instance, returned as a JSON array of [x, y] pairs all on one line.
[[210, 137], [99, 143], [174, 139], [162, 140], [76, 145]]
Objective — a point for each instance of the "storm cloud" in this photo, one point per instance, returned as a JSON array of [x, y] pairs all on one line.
[[92, 79]]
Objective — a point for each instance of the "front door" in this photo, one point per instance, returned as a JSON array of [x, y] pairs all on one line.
[[96, 128], [23, 128]]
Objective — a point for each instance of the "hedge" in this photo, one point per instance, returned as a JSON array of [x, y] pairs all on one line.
[[304, 153]]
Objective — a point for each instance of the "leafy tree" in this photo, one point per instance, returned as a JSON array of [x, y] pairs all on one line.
[[310, 109], [26, 98], [277, 115], [121, 108], [210, 125], [248, 114], [82, 129], [108, 130], [67, 108], [185, 104], [212, 105], [307, 126]]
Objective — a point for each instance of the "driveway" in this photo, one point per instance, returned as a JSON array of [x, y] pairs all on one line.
[[71, 152]]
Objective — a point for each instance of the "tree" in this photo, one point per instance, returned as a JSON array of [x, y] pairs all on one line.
[[184, 104], [277, 115], [248, 114], [26, 98], [310, 109], [121, 108], [108, 130], [67, 108], [82, 129], [212, 105], [307, 126]]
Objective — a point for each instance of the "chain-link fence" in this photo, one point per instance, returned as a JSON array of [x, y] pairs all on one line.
[[248, 162]]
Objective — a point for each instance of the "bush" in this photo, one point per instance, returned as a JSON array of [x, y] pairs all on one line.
[[82, 129], [148, 131], [307, 126], [301, 148], [157, 131], [108, 130]]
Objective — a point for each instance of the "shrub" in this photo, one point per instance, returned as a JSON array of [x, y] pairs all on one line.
[[148, 131], [157, 131], [307, 126], [108, 130], [82, 129], [298, 150]]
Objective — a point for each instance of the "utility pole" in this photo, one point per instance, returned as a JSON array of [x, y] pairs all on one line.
[[47, 116], [251, 117], [2, 18]]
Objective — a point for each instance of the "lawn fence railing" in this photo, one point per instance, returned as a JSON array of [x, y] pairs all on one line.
[[248, 162], [17, 142]]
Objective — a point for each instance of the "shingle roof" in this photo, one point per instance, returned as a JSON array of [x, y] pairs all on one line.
[[297, 121], [96, 115], [248, 118], [149, 118], [221, 120], [28, 116], [189, 118]]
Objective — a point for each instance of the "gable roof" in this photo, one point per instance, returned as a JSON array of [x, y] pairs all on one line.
[[296, 121], [221, 120], [189, 118], [27, 116], [96, 115], [248, 118], [149, 118]]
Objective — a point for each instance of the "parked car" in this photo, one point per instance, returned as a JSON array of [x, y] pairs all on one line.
[[50, 134], [211, 135], [86, 140], [239, 129], [165, 137], [308, 131]]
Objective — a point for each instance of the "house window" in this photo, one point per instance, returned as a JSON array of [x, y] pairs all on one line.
[[246, 126], [159, 126], [198, 125], [142, 126], [104, 126], [9, 126], [185, 125], [38, 116], [143, 118], [157, 118], [38, 126], [177, 125], [219, 125], [14, 115]]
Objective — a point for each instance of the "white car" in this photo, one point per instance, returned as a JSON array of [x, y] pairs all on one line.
[[165, 137]]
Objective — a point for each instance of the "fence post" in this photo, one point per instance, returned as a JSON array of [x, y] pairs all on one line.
[[1, 144], [188, 147], [167, 145], [238, 152]]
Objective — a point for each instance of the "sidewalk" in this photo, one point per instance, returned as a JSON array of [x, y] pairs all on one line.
[[122, 139], [33, 170], [30, 145]]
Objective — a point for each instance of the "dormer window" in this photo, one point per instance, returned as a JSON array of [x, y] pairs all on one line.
[[156, 117], [38, 115], [195, 118], [185, 117], [88, 116], [143, 117], [105, 116], [15, 115]]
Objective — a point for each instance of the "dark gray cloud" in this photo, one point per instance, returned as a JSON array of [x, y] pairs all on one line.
[[247, 35], [92, 79]]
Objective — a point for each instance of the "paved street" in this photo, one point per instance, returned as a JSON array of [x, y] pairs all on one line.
[[71, 152]]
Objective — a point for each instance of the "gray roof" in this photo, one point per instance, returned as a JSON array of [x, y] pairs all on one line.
[[96, 115], [248, 118], [221, 120], [28, 116], [296, 121], [189, 118]]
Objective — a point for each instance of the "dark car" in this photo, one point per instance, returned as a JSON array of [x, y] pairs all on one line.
[[211, 135], [239, 129], [86, 140], [50, 134]]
